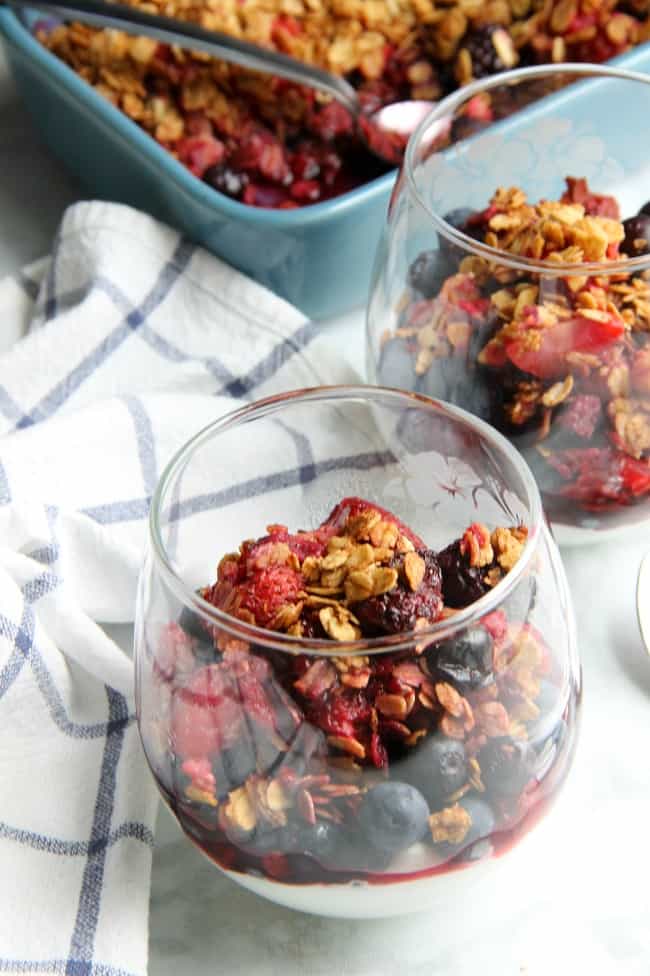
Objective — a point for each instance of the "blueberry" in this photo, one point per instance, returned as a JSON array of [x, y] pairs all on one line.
[[483, 821], [358, 853], [374, 859], [192, 624], [428, 273], [438, 767], [203, 649], [506, 766], [222, 780], [321, 840], [280, 840], [637, 235], [393, 816], [342, 847], [239, 761], [451, 378], [458, 219], [396, 365], [464, 660]]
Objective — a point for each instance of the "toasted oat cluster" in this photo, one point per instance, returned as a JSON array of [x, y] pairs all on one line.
[[361, 574], [275, 144], [561, 363], [327, 766]]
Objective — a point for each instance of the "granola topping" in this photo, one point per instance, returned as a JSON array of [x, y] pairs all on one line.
[[271, 143], [558, 362]]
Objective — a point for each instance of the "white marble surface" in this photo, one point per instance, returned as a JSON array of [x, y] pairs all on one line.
[[573, 900]]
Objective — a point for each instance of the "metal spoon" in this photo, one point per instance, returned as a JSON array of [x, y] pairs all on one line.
[[643, 600], [399, 118]]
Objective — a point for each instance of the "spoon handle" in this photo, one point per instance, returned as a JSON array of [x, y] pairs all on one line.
[[99, 13]]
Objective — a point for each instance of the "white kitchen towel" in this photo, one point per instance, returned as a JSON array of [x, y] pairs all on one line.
[[112, 353]]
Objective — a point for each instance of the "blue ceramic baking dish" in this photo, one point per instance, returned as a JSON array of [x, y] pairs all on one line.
[[318, 257]]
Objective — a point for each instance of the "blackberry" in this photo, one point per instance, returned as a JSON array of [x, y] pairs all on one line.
[[397, 611], [462, 584], [491, 49], [637, 235], [437, 768], [506, 766], [229, 181]]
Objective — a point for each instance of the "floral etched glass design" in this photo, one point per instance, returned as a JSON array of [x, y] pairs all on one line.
[[513, 279]]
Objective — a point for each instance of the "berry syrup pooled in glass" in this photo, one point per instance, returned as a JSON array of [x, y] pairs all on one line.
[[560, 365], [337, 767]]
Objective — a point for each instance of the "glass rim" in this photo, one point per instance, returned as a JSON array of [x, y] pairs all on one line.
[[446, 108], [253, 634]]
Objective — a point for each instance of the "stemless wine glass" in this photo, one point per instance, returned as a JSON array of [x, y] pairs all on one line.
[[269, 747], [537, 320]]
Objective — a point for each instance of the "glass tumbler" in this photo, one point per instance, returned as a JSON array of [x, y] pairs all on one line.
[[273, 749], [513, 279]]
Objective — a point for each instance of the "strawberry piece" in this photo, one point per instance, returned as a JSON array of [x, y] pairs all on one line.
[[496, 624], [636, 476], [352, 506], [577, 334], [200, 152], [205, 718], [595, 204]]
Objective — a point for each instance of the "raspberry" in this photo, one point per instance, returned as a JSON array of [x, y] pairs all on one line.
[[341, 713], [262, 593], [595, 475], [581, 415]]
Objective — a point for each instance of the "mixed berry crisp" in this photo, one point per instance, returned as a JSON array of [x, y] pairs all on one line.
[[312, 755], [559, 362]]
